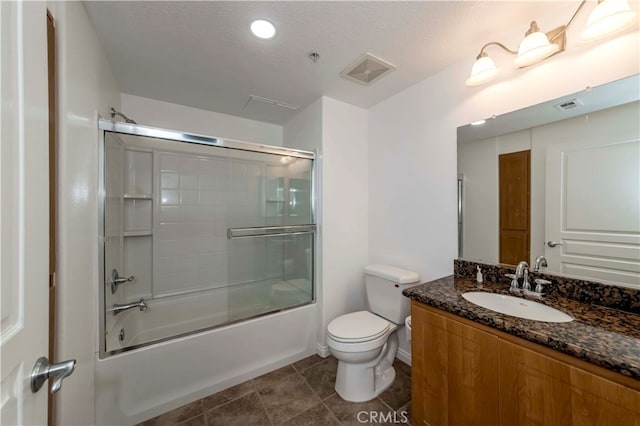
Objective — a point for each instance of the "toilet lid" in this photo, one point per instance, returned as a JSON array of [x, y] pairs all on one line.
[[358, 326]]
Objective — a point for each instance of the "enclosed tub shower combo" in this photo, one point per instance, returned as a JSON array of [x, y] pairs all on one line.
[[198, 234]]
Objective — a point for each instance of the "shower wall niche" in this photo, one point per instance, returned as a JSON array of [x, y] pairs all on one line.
[[206, 235]]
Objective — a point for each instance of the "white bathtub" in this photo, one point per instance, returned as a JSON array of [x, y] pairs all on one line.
[[136, 385]]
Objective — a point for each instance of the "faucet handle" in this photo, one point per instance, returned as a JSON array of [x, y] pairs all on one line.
[[539, 283], [116, 280], [514, 281], [525, 281]]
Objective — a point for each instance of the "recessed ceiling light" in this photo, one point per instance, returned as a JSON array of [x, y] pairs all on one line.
[[263, 29]]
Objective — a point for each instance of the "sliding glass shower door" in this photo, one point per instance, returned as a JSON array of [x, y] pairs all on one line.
[[207, 234]]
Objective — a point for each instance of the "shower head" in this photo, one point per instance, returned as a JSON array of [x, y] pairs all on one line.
[[126, 119]]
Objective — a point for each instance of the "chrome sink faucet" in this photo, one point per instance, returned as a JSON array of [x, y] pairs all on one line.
[[121, 308], [541, 262], [522, 271]]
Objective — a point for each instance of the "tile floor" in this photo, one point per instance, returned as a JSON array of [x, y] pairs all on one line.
[[296, 395]]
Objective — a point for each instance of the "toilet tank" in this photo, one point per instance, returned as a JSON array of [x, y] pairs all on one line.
[[384, 285]]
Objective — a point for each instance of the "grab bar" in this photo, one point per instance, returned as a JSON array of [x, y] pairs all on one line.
[[270, 231]]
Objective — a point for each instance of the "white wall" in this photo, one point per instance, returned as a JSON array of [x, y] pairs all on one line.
[[345, 201], [86, 88], [412, 143], [478, 164], [338, 132], [150, 112]]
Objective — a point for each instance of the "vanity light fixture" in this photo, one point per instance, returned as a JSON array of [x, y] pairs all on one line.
[[262, 28], [608, 17]]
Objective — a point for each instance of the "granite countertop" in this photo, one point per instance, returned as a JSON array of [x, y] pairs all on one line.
[[603, 336]]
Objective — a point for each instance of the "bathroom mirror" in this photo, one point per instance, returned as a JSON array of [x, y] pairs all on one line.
[[560, 179]]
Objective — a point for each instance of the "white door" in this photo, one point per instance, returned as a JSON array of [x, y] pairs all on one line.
[[593, 200], [24, 209]]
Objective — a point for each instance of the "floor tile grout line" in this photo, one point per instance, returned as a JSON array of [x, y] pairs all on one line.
[[309, 366], [329, 410], [384, 403], [312, 391], [304, 379], [257, 389], [334, 393], [227, 401], [264, 408]]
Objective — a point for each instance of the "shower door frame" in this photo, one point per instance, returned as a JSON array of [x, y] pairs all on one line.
[[192, 138]]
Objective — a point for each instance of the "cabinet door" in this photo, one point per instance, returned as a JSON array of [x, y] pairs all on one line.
[[538, 390], [534, 389], [598, 401], [454, 378]]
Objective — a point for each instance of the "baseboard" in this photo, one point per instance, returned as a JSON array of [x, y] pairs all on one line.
[[322, 350], [404, 356]]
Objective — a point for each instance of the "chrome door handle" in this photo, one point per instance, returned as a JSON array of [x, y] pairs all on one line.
[[116, 280], [553, 243], [42, 371]]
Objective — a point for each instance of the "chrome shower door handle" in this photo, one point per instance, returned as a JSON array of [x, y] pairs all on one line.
[[553, 243], [42, 371]]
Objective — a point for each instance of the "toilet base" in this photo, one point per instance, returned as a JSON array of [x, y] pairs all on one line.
[[360, 382], [357, 384]]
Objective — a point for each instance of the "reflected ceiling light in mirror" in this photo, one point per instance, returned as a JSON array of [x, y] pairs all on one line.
[[608, 17], [262, 28], [478, 123]]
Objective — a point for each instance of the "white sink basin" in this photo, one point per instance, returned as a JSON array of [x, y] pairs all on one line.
[[516, 307]]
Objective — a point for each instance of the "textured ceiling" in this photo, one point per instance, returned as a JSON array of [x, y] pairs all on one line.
[[201, 54]]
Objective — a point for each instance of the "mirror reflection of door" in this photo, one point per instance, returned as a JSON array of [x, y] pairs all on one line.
[[592, 195], [514, 197]]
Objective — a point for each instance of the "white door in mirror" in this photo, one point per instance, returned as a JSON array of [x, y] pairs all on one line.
[[592, 196], [516, 306]]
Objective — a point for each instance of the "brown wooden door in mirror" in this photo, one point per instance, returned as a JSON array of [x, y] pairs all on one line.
[[514, 196]]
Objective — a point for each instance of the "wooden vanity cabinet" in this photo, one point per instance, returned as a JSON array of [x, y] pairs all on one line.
[[453, 373], [468, 374]]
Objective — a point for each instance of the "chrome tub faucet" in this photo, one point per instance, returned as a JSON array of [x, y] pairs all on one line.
[[125, 307], [541, 262]]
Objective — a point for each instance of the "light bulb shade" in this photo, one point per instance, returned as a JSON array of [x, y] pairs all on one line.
[[608, 17], [534, 48], [483, 70]]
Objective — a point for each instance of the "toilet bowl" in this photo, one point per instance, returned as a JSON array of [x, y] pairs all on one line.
[[365, 346], [366, 343]]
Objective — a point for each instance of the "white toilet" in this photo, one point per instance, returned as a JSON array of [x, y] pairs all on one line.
[[365, 343]]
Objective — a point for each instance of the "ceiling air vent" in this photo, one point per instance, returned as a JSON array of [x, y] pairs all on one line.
[[568, 104], [367, 69], [253, 99]]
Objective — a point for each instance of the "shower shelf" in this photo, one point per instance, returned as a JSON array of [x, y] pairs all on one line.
[[142, 233], [138, 196]]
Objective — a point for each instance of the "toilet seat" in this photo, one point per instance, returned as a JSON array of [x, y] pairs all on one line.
[[358, 327]]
